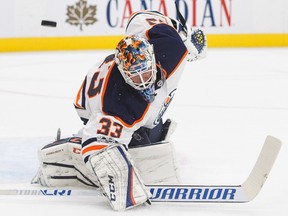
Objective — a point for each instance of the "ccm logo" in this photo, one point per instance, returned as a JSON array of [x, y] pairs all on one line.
[[112, 188]]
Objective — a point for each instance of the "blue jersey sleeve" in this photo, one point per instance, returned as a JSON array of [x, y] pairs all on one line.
[[168, 47]]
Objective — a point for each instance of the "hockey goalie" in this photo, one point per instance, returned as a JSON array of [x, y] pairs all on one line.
[[124, 143]]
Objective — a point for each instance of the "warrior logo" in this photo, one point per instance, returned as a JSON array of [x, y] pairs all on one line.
[[165, 106]]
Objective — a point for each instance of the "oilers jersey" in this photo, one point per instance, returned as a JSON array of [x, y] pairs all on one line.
[[110, 108]]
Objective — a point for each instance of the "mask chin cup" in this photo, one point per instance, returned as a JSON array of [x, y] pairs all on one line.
[[148, 94]]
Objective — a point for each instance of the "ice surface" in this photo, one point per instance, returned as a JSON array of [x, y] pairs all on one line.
[[225, 107]]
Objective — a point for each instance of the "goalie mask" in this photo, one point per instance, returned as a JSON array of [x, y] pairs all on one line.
[[135, 59]]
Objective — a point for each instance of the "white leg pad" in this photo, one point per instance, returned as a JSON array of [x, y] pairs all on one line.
[[118, 178], [156, 163]]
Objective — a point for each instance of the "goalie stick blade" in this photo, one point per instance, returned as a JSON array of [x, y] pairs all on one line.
[[160, 193], [262, 167], [185, 193], [224, 194]]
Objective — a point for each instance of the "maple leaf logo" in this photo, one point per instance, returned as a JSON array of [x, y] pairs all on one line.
[[79, 14]]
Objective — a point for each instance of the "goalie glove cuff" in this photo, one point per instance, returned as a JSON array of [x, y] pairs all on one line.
[[194, 40], [196, 44]]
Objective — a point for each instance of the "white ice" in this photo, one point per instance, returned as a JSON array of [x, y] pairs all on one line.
[[225, 107]]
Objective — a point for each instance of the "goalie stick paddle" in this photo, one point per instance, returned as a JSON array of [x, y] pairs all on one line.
[[186, 193]]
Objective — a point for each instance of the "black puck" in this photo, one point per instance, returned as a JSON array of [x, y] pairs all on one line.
[[48, 23]]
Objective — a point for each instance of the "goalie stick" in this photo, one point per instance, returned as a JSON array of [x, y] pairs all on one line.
[[187, 193]]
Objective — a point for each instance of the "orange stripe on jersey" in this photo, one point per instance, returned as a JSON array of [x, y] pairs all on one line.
[[135, 122], [79, 96], [132, 15], [93, 148], [180, 62], [167, 100], [158, 14], [147, 34], [131, 186], [118, 118], [163, 70]]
